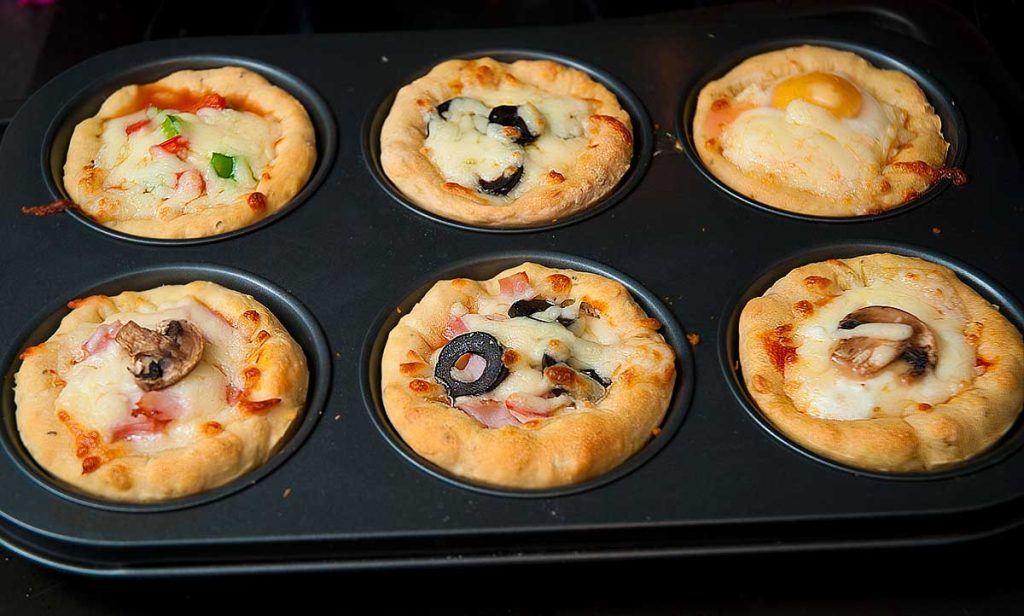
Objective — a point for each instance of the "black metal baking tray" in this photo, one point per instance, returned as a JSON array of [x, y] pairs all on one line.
[[716, 481]]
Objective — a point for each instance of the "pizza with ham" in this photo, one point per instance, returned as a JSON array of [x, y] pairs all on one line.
[[505, 145], [195, 154], [882, 362], [536, 378], [152, 395]]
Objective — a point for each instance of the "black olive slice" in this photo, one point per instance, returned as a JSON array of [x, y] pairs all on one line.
[[528, 307], [475, 343], [918, 360], [508, 115], [504, 183], [443, 108]]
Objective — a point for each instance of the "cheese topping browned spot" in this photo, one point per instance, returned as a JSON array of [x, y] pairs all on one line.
[[803, 308], [817, 282], [258, 406], [88, 444], [257, 201], [212, 428], [559, 283], [933, 174], [778, 345], [615, 125]]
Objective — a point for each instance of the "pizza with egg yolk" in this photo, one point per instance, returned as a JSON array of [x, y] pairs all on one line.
[[819, 131]]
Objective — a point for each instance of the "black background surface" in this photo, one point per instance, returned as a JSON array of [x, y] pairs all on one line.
[[38, 42]]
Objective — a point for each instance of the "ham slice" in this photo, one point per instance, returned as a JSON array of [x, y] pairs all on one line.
[[525, 407], [472, 370], [491, 413], [152, 413], [100, 338], [455, 327], [136, 428], [516, 287]]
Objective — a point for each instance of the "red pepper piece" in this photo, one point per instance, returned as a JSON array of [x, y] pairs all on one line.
[[174, 145], [213, 101], [132, 128]]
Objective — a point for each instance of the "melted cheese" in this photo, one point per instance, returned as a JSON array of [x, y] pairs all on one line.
[[465, 155], [821, 388], [882, 331], [100, 392], [148, 175], [466, 148], [807, 147], [529, 338]]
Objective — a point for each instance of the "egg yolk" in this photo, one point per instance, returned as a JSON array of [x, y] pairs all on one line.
[[825, 90]]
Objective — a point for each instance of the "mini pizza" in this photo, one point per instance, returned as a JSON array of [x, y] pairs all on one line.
[[195, 154], [153, 395], [505, 145], [535, 378], [818, 131], [882, 362]]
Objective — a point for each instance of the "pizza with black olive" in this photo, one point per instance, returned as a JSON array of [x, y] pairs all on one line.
[[158, 394], [882, 362], [506, 145], [195, 154], [535, 378]]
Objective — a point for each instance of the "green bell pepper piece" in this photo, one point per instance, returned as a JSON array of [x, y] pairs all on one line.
[[223, 165], [171, 126]]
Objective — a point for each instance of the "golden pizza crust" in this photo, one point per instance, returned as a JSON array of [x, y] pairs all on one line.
[[933, 438], [596, 172], [236, 439], [923, 128], [562, 449], [282, 179]]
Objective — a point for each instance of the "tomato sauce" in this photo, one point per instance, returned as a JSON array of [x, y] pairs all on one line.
[[185, 101]]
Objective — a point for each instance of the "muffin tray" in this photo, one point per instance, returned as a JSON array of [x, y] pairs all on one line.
[[341, 265]]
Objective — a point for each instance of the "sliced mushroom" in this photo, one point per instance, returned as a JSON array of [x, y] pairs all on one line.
[[580, 384], [161, 357], [876, 336]]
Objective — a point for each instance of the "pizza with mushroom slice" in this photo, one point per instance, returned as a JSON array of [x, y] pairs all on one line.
[[882, 362], [153, 395], [505, 145], [195, 154], [535, 378]]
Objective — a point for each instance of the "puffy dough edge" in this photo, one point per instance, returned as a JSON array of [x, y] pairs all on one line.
[[288, 172], [597, 171], [565, 449], [888, 86], [245, 442], [954, 431]]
